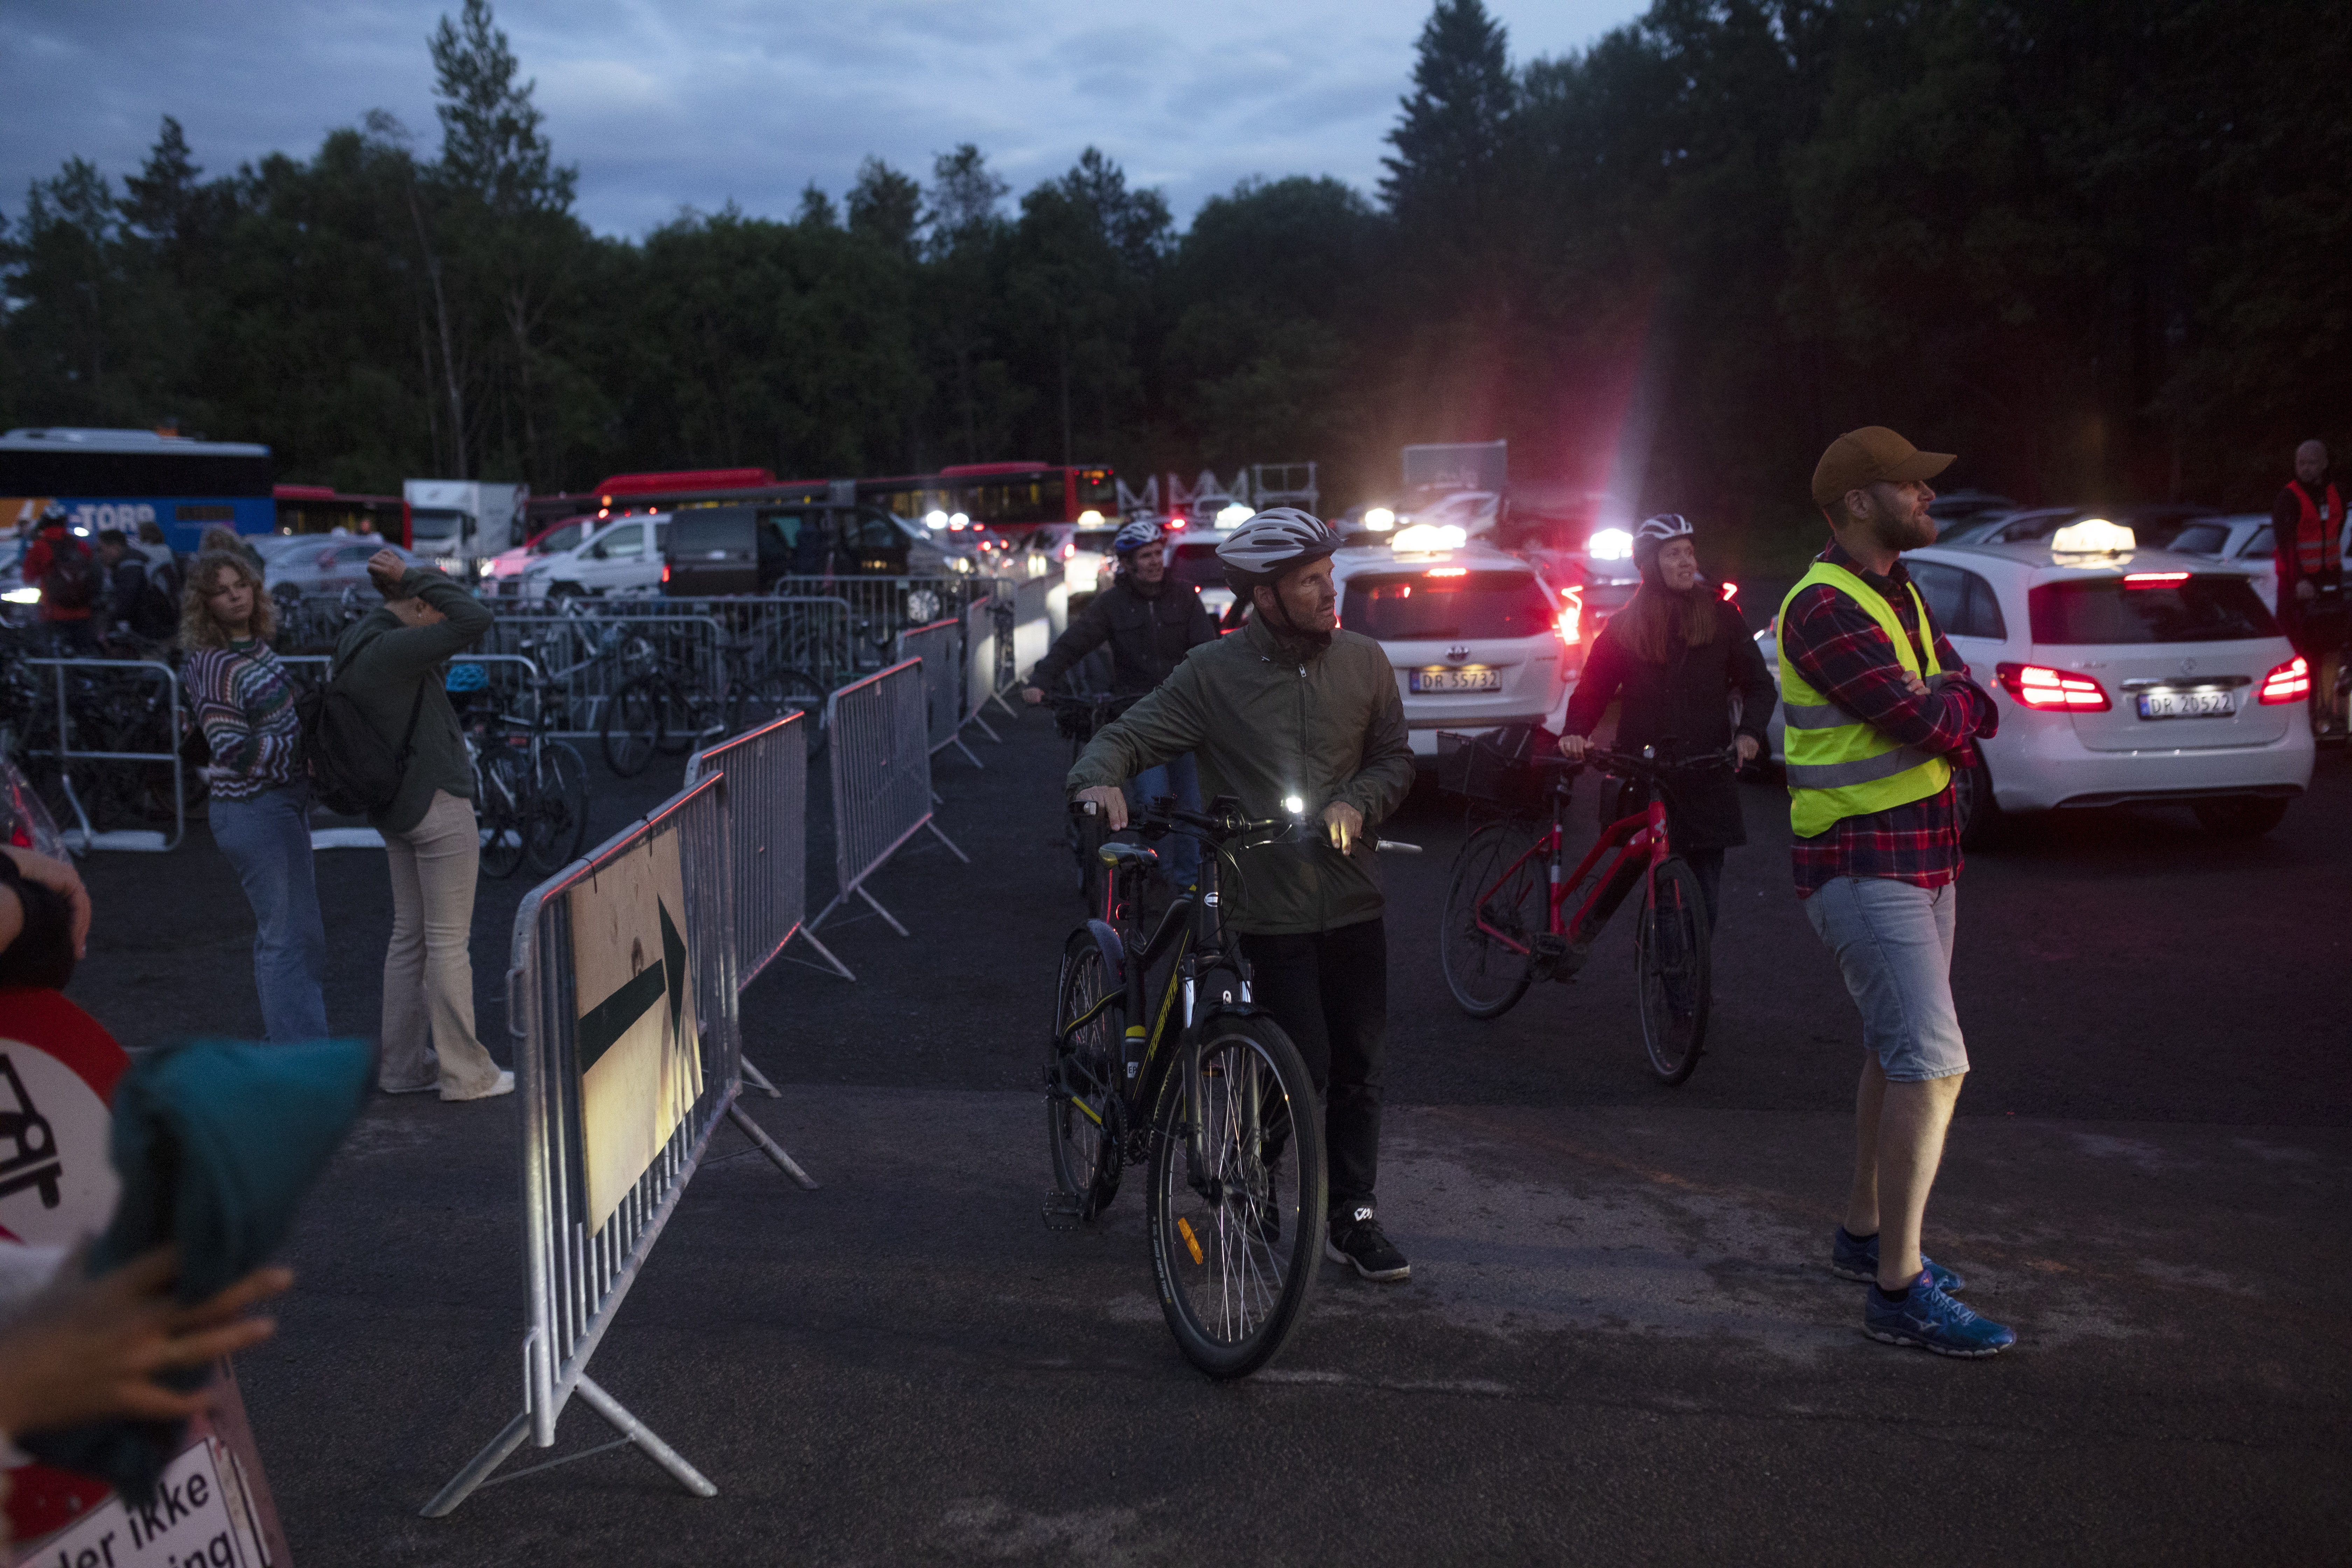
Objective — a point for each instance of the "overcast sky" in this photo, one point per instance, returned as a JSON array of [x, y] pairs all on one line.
[[691, 102]]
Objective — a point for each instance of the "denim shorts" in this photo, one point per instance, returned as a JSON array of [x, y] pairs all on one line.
[[1893, 943]]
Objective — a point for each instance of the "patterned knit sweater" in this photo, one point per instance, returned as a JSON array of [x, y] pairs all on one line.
[[246, 703]]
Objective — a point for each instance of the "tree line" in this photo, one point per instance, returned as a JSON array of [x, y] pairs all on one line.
[[2095, 247]]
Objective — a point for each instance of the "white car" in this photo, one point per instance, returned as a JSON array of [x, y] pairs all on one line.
[[1479, 638], [1192, 558], [502, 573], [2136, 677], [2244, 539], [622, 558], [322, 564]]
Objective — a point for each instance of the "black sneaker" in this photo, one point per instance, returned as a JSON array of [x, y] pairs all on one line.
[[1356, 1239]]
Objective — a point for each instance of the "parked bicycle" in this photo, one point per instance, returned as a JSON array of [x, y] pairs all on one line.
[[670, 711], [1504, 928], [1203, 1085], [530, 790]]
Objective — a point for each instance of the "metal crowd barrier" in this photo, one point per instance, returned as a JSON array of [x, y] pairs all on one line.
[[766, 792], [82, 836], [979, 665], [881, 779], [582, 1133], [590, 655], [940, 647]]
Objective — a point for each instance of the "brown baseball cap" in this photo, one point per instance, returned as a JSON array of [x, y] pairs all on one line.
[[1869, 456]]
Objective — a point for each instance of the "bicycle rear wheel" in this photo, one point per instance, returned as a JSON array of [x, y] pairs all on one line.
[[1496, 904], [1235, 1240], [1084, 1077], [635, 722], [558, 828], [504, 808], [778, 692], [1670, 969]]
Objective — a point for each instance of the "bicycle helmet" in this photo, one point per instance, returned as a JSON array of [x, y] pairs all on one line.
[[1276, 539], [1652, 536], [463, 678], [1134, 537]]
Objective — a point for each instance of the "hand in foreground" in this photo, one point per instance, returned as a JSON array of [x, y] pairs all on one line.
[[386, 568], [1573, 747], [1745, 748], [1032, 695], [90, 1349], [1342, 822], [1111, 804], [61, 879]]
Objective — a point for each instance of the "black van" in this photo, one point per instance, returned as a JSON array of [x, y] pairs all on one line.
[[721, 550]]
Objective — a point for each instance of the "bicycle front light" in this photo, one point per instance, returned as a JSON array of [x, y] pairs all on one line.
[[1293, 805]]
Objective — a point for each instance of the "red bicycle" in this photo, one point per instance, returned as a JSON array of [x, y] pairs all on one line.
[[1504, 928]]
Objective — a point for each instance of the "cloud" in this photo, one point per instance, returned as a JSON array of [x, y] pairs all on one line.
[[693, 102]]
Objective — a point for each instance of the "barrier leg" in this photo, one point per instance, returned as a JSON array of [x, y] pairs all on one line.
[[948, 841], [838, 967], [888, 917], [970, 754], [984, 729], [769, 1147], [998, 698], [463, 1484], [637, 1432], [759, 1080]]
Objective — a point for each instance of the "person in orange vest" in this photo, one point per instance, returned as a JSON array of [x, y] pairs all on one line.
[[2307, 530]]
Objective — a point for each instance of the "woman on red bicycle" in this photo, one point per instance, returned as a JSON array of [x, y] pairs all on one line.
[[1676, 656]]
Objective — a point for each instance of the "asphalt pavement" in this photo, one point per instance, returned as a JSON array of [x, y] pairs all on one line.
[[1620, 1341]]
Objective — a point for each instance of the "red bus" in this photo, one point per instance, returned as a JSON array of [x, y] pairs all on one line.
[[316, 509], [1006, 497]]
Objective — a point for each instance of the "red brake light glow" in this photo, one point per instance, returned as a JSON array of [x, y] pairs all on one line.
[[1449, 571], [2034, 685], [1731, 591], [1570, 624], [2153, 579], [1068, 550], [2290, 682]]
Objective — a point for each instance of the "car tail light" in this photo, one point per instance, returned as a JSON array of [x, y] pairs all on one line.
[[2290, 682], [1449, 571], [2153, 579], [1068, 550], [1731, 591], [1570, 624], [2034, 685], [665, 571]]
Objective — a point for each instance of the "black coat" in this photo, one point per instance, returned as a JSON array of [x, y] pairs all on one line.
[[1687, 700], [1148, 637]]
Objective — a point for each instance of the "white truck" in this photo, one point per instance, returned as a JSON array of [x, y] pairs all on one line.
[[459, 524]]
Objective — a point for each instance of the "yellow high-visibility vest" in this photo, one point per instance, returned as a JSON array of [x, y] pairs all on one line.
[[1839, 766]]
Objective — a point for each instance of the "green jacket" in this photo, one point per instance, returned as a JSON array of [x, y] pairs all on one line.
[[1267, 719], [382, 660]]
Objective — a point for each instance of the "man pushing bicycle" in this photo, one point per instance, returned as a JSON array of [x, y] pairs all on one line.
[[1292, 714]]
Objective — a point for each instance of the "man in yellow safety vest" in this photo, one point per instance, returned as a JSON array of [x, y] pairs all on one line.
[[1880, 712]]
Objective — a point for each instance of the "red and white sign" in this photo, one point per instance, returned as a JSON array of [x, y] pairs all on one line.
[[58, 1072]]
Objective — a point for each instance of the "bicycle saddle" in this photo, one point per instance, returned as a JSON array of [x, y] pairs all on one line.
[[1128, 855]]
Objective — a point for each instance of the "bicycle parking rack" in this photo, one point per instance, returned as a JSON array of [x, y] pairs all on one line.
[[81, 836]]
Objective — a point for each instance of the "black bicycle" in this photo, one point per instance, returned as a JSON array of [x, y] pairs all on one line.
[[1194, 1079]]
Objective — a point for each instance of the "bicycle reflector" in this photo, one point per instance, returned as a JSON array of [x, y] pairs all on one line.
[[2034, 685], [2290, 682]]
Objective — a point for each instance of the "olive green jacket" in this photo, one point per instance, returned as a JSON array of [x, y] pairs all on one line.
[[1267, 718], [381, 661]]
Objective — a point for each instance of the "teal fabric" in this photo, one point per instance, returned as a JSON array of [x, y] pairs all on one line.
[[216, 1142]]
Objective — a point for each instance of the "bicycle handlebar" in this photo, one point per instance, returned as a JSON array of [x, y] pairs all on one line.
[[1155, 823]]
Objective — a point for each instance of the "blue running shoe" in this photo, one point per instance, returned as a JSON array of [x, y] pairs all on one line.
[[1929, 1319], [1851, 1259]]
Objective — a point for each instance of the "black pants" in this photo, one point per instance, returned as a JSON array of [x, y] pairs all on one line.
[[1329, 991]]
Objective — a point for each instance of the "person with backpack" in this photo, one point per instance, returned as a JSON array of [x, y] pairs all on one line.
[[66, 572], [243, 703], [389, 670], [141, 595]]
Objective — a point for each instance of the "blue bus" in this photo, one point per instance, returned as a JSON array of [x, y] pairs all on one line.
[[121, 478]]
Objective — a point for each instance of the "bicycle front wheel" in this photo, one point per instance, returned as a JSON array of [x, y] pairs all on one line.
[[1085, 1076], [1238, 1196], [1670, 966], [559, 809], [504, 809], [1498, 901], [635, 720]]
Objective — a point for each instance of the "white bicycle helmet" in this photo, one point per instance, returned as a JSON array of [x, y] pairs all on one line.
[[1665, 526], [1135, 536], [1278, 537]]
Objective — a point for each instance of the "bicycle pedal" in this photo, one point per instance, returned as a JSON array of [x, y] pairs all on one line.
[[1062, 1211]]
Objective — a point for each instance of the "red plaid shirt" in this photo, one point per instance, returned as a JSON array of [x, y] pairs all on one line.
[[1842, 653]]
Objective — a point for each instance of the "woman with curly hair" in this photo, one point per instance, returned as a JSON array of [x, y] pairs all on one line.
[[260, 813]]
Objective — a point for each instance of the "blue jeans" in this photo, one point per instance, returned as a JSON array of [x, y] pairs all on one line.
[[1182, 780], [1893, 945], [267, 839]]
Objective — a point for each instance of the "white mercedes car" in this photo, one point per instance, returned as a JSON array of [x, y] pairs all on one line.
[[2123, 676], [1478, 639]]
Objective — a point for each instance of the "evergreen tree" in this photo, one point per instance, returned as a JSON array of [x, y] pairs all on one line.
[[1451, 136]]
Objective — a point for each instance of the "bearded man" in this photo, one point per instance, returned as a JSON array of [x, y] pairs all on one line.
[[1880, 713]]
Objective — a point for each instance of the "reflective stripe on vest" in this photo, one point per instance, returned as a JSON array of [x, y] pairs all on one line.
[[2318, 544], [1838, 766]]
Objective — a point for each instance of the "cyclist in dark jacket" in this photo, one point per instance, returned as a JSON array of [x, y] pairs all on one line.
[[1150, 622], [1673, 658]]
